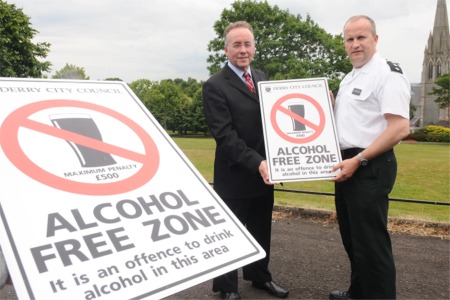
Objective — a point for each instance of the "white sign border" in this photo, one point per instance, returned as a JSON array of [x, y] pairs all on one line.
[[18, 270], [265, 115]]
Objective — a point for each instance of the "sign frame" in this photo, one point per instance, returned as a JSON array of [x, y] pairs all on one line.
[[164, 233], [299, 129]]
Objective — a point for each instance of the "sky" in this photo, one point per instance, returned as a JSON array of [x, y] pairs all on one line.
[[167, 39]]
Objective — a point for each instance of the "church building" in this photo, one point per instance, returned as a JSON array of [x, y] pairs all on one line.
[[436, 62]]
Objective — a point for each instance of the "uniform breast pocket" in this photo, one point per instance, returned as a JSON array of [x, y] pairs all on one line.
[[360, 93]]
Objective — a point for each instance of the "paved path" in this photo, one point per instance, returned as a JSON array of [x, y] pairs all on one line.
[[308, 259]]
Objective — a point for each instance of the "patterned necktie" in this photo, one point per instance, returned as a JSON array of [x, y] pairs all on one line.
[[249, 82]]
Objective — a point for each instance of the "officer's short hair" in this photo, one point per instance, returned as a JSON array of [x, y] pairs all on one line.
[[372, 22]]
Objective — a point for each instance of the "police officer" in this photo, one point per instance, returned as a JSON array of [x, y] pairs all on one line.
[[372, 116]]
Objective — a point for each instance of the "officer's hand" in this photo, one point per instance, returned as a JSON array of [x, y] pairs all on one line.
[[348, 167]]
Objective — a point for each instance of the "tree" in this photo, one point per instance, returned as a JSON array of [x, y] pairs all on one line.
[[164, 102], [197, 116], [288, 47], [19, 56], [176, 104], [442, 91], [412, 110], [71, 72], [193, 117], [141, 88]]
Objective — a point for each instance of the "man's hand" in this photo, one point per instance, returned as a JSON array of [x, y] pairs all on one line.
[[348, 167], [264, 172], [333, 101]]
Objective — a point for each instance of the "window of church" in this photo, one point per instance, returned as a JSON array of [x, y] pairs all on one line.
[[438, 70], [430, 70]]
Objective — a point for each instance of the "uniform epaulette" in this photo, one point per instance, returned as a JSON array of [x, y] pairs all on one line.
[[394, 67]]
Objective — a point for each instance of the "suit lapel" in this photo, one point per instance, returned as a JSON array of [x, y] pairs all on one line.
[[257, 77], [237, 83]]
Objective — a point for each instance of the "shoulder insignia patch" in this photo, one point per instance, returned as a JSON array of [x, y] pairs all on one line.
[[394, 67]]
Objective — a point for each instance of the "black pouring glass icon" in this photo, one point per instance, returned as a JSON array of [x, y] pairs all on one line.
[[84, 125], [298, 109]]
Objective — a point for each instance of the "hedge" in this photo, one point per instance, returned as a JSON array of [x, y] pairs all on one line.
[[431, 133]]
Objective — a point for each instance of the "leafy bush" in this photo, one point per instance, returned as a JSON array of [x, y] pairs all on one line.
[[417, 136], [431, 133]]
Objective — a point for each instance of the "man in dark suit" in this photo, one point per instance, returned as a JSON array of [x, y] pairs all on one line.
[[241, 178]]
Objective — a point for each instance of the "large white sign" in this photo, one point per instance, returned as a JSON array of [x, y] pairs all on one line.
[[97, 202], [299, 129]]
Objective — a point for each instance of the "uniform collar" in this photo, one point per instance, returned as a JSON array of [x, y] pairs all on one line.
[[365, 69]]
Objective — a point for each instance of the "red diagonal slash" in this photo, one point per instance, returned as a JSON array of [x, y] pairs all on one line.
[[83, 140], [298, 118]]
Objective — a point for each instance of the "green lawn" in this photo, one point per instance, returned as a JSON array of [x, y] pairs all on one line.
[[423, 174]]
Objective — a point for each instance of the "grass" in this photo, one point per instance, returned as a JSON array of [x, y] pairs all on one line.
[[423, 174]]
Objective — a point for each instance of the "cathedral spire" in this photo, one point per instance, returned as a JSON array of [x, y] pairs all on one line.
[[441, 17], [441, 42], [436, 62]]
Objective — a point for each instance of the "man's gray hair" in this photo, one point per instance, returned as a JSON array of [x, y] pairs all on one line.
[[238, 24]]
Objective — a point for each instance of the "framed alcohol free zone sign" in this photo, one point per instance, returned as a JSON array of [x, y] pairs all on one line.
[[97, 201], [299, 129]]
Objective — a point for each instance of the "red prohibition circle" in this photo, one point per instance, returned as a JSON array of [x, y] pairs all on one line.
[[19, 118], [277, 107]]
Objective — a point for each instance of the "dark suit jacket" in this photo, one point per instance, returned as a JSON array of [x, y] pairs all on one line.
[[233, 116]]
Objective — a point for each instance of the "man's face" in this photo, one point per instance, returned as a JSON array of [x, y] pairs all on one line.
[[359, 41], [240, 48]]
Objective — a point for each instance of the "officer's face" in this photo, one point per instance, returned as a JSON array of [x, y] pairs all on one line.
[[240, 48], [360, 42]]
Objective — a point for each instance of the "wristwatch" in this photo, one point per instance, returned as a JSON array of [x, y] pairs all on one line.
[[362, 160]]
